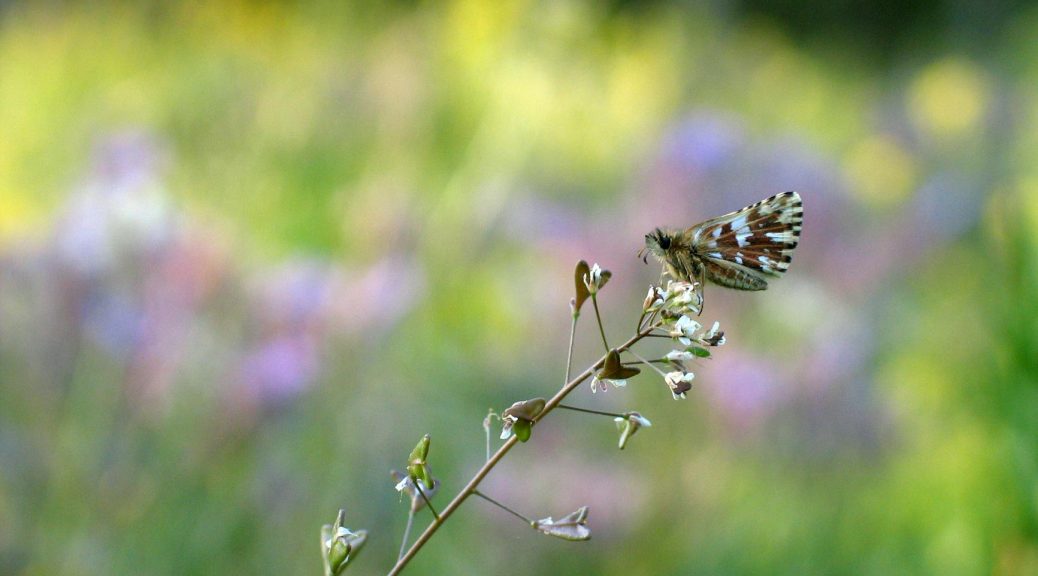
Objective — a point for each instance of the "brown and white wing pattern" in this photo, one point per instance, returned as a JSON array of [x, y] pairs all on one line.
[[741, 249]]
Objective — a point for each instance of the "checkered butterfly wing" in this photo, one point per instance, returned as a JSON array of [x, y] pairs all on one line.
[[742, 249]]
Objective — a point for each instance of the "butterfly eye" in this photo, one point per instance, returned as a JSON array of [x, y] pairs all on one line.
[[664, 242]]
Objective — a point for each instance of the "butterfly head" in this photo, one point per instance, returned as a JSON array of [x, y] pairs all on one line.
[[657, 243]]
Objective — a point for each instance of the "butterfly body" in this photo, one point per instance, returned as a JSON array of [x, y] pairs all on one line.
[[739, 250]]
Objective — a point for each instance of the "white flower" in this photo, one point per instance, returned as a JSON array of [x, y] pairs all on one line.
[[681, 293], [639, 420], [506, 426], [680, 356], [596, 278], [714, 336], [602, 384], [628, 424], [682, 298], [679, 383], [684, 329]]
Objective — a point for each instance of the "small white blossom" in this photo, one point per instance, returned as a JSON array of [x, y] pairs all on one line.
[[628, 424], [602, 384], [596, 278], [681, 293], [684, 330], [403, 484], [682, 298], [714, 336], [680, 356], [679, 383], [640, 420], [506, 426]]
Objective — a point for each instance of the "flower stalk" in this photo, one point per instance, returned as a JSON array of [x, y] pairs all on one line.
[[502, 506], [470, 488], [666, 313]]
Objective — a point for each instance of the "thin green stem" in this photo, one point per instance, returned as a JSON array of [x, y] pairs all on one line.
[[486, 429], [418, 485], [569, 351], [647, 363], [502, 506], [407, 534], [589, 411], [489, 465], [601, 330], [657, 361]]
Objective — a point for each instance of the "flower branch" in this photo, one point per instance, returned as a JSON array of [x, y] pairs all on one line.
[[666, 313]]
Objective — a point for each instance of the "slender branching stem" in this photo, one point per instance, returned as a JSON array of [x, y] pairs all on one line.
[[407, 533], [647, 363], [646, 321], [473, 483], [418, 485], [590, 411], [502, 506], [601, 330], [486, 429], [569, 352]]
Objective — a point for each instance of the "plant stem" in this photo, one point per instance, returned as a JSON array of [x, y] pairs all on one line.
[[590, 411], [486, 429], [418, 485], [647, 363], [489, 465], [569, 352], [657, 361], [601, 330], [502, 506], [407, 534]]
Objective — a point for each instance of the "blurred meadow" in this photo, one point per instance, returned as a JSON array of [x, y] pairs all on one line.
[[251, 252]]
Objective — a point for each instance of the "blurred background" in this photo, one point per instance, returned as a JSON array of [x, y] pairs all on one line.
[[251, 252]]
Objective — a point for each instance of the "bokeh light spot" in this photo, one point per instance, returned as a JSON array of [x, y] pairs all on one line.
[[948, 99], [881, 171]]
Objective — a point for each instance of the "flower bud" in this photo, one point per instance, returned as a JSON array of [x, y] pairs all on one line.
[[596, 279], [628, 424], [417, 467], [339, 545]]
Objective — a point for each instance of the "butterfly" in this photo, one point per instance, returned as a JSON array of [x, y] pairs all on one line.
[[739, 250]]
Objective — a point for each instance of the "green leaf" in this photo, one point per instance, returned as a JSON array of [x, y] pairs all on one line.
[[416, 462], [699, 352], [522, 429]]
